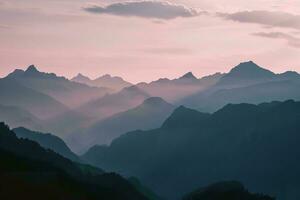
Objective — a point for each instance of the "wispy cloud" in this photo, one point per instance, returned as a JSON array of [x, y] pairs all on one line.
[[267, 18], [291, 40], [145, 9]]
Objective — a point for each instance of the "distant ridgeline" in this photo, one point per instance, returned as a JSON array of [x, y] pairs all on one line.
[[255, 144]]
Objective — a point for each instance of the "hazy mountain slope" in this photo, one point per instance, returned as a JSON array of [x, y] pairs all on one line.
[[31, 172], [48, 141], [68, 92], [69, 122], [229, 190], [77, 120], [176, 89], [114, 103], [246, 83], [150, 114], [39, 104], [257, 145], [114, 82], [16, 117]]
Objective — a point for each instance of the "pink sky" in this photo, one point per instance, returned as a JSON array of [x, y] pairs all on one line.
[[65, 37]]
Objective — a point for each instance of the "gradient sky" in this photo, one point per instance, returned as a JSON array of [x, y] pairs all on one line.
[[145, 40]]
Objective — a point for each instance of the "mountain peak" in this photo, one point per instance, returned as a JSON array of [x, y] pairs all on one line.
[[31, 69], [246, 73], [250, 69], [80, 77], [188, 75], [154, 101], [183, 115]]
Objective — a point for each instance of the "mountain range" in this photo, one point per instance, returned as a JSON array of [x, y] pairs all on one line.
[[113, 82], [63, 90], [176, 89], [254, 144], [246, 83], [174, 135]]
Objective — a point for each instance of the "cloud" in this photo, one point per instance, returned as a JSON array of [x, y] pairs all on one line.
[[291, 40], [267, 18], [145, 9]]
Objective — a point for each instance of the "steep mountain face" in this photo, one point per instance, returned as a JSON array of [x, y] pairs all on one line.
[[114, 82], [30, 172], [150, 114], [254, 144], [246, 83], [16, 117], [176, 89], [47, 141], [229, 190], [69, 93], [41, 105]]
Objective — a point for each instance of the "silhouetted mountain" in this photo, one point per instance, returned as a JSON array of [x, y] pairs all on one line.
[[188, 75], [16, 117], [246, 73], [41, 105], [68, 92], [289, 75], [30, 172], [255, 144], [80, 78], [150, 114], [114, 82], [48, 141], [176, 89], [246, 83], [230, 190]]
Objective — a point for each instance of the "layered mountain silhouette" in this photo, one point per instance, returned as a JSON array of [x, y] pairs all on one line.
[[148, 115], [228, 190], [114, 82], [28, 171], [67, 92], [254, 144], [176, 89], [81, 118], [246, 83], [47, 141], [111, 104]]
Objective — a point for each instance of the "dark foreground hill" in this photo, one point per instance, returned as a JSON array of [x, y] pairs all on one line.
[[30, 172], [230, 190], [47, 141], [255, 144]]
